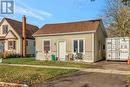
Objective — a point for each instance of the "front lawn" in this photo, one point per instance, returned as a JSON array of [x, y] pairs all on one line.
[[129, 80], [32, 61], [27, 75]]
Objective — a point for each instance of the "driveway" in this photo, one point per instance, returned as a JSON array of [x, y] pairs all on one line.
[[86, 79], [123, 66]]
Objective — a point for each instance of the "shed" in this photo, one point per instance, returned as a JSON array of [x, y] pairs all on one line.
[[117, 48]]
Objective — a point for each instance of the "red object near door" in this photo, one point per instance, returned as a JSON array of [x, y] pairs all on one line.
[[128, 62]]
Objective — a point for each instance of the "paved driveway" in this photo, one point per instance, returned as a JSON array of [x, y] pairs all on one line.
[[85, 79]]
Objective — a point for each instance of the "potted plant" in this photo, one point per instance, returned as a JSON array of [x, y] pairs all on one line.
[[78, 56]]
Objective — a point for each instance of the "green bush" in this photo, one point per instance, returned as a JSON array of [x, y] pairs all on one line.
[[30, 55], [13, 56], [9, 55]]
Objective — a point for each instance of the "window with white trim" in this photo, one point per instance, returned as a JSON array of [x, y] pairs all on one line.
[[4, 29], [46, 46], [78, 46], [12, 45]]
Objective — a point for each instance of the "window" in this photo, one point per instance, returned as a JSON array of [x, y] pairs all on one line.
[[81, 46], [103, 47], [46, 46], [75, 46], [34, 43], [78, 46], [26, 43], [5, 29], [109, 43], [11, 45], [125, 46]]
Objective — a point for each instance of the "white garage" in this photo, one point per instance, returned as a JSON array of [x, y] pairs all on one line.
[[117, 48]]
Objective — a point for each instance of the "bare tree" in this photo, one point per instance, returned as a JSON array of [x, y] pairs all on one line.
[[117, 17], [126, 2]]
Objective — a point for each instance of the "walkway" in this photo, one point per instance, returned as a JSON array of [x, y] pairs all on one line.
[[110, 71]]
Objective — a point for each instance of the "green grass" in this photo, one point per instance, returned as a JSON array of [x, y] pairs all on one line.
[[32, 76], [32, 61], [129, 79]]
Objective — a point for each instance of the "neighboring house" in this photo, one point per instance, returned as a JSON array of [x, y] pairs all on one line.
[[16, 36], [64, 39]]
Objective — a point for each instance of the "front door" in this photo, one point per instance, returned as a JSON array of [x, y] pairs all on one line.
[[62, 50]]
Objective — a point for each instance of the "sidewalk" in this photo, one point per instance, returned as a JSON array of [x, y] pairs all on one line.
[[110, 71]]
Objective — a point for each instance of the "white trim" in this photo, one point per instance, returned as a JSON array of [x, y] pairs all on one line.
[[78, 44], [13, 30], [58, 47], [102, 28], [83, 32], [93, 45], [88, 61], [43, 45]]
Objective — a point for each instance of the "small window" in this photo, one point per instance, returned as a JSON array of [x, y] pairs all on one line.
[[12, 45], [103, 47], [26, 43], [5, 29], [46, 46]]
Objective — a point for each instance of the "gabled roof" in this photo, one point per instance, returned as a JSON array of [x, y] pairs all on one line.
[[13, 36], [82, 26], [2, 37], [17, 26]]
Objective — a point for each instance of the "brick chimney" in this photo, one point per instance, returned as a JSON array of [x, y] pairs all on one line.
[[24, 36]]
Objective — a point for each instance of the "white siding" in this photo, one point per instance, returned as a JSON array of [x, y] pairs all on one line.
[[30, 46], [89, 53], [117, 48]]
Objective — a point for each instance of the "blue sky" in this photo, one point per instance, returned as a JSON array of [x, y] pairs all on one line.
[[40, 12]]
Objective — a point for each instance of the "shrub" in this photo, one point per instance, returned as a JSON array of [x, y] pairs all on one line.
[[30, 55], [11, 55], [79, 56], [1, 55]]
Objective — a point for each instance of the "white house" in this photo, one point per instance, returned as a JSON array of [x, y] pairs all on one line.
[[64, 40], [16, 36]]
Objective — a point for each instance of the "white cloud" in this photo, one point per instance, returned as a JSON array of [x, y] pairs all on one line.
[[31, 12]]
